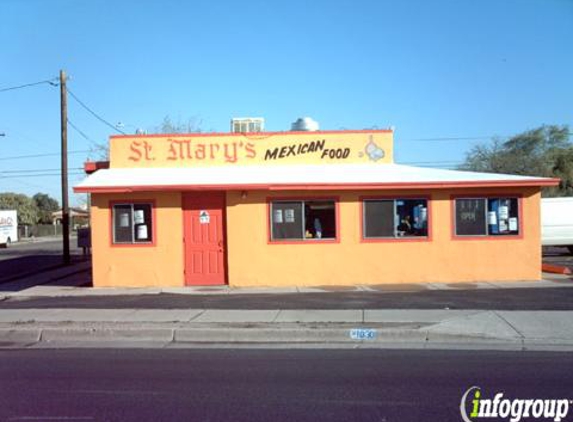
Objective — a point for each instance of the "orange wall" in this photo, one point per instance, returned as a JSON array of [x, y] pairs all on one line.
[[160, 265], [254, 262]]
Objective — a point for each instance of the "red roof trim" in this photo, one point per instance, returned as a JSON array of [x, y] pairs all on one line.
[[250, 134], [324, 186]]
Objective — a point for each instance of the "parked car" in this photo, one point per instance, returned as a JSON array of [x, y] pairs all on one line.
[[557, 222]]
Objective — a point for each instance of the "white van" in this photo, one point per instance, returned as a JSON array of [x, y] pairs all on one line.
[[8, 227], [557, 222]]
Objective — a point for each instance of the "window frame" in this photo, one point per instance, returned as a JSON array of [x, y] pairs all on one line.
[[133, 244], [487, 197], [303, 199], [364, 239]]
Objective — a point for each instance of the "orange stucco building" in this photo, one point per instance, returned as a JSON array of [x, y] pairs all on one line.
[[302, 209]]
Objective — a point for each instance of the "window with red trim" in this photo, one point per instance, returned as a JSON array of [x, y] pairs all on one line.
[[303, 220], [132, 223], [395, 218], [497, 216]]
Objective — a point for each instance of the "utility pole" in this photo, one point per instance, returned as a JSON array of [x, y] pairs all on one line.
[[65, 206]]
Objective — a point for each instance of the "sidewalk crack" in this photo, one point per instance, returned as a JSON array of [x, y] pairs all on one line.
[[276, 316], [510, 324], [198, 315]]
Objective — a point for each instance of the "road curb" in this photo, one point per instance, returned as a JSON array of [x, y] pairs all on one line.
[[20, 335], [55, 335], [285, 337]]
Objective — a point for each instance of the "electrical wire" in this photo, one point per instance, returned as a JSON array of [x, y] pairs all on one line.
[[41, 175], [37, 170], [51, 154], [101, 119], [462, 138], [467, 138], [47, 81], [29, 185], [86, 137]]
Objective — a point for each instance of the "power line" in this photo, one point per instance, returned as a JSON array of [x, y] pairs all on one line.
[[35, 170], [467, 138], [30, 185], [432, 162], [94, 113], [51, 154], [77, 129], [462, 138], [40, 175], [47, 81]]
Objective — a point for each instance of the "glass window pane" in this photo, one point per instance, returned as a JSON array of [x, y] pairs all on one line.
[[470, 217], [412, 217], [142, 223], [503, 215], [286, 220], [320, 220], [122, 224], [379, 218]]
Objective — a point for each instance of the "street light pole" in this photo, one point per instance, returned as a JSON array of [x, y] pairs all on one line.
[[65, 206]]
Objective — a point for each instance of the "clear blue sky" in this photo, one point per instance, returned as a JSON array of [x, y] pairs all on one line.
[[431, 69]]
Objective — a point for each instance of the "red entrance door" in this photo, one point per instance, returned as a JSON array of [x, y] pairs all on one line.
[[204, 238]]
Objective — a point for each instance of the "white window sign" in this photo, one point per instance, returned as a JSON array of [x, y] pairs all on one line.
[[204, 217], [289, 215], [142, 232], [124, 219], [503, 212], [278, 216], [503, 226], [138, 217], [513, 224]]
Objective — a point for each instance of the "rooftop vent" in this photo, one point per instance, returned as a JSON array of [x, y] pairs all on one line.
[[304, 124]]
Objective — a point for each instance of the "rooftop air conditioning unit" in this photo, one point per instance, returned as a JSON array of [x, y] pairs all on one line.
[[247, 124], [304, 124]]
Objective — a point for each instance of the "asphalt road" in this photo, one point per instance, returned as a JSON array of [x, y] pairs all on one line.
[[487, 299], [268, 385], [28, 257]]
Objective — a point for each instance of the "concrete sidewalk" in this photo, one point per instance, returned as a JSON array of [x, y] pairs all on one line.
[[360, 328], [201, 325], [75, 281]]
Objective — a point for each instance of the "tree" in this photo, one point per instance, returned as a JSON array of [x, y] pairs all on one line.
[[26, 207], [545, 151], [192, 125], [46, 206]]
